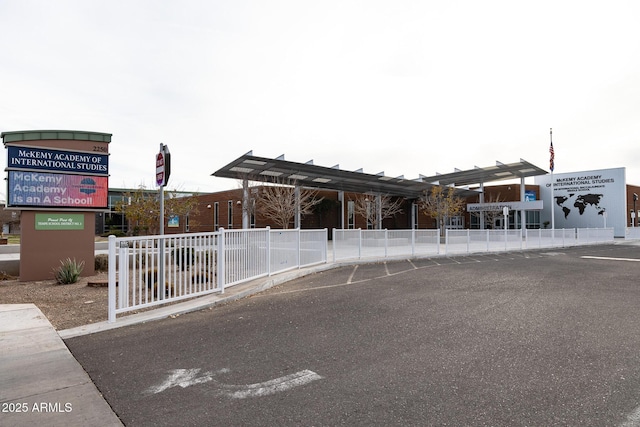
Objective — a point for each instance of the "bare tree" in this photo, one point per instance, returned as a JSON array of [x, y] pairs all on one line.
[[375, 208], [490, 216], [441, 203], [278, 202]]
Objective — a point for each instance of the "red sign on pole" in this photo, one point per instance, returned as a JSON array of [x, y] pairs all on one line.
[[160, 169]]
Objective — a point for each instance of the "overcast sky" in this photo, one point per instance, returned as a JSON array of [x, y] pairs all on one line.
[[404, 87]]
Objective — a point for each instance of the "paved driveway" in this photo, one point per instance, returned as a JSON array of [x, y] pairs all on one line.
[[532, 338]]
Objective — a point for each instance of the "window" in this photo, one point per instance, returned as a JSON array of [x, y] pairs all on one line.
[[533, 219], [252, 214], [216, 216], [230, 213], [455, 222], [351, 214]]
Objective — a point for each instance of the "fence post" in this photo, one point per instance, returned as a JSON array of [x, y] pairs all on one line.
[[299, 255], [359, 243], [112, 279], [488, 239], [162, 282], [221, 260], [506, 237], [413, 242], [269, 250], [386, 242], [468, 241], [539, 238], [333, 244], [326, 245], [446, 240], [438, 242]]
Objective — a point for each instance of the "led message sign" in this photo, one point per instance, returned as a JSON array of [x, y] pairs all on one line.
[[40, 189]]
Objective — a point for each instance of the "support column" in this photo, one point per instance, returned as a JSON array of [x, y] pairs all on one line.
[[413, 215], [523, 217], [245, 203], [379, 210], [482, 201], [341, 200], [297, 217]]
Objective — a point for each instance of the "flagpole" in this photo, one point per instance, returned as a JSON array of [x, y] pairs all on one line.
[[551, 166]]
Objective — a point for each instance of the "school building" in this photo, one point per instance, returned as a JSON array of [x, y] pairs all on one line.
[[583, 199]]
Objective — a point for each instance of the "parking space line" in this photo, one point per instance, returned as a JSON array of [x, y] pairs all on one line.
[[610, 258], [633, 419], [350, 279]]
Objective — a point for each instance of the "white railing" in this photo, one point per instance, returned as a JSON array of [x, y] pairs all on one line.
[[632, 233], [588, 236], [550, 238], [349, 244], [473, 241], [153, 270], [358, 244]]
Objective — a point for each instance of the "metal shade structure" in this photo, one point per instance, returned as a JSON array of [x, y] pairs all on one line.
[[261, 169], [478, 175]]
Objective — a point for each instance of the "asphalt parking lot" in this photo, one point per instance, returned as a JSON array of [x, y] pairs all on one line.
[[549, 337]]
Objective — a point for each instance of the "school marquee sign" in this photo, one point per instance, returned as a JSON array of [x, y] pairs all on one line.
[[50, 177], [33, 158]]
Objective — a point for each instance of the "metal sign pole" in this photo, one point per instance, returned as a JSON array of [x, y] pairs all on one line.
[[161, 181]]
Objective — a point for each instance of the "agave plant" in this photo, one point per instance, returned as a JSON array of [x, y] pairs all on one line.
[[68, 272]]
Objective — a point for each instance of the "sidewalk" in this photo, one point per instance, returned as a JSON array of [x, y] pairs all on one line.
[[42, 383]]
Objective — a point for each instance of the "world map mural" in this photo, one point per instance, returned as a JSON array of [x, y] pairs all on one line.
[[580, 201]]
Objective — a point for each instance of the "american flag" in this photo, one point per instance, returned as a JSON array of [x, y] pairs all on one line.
[[551, 153]]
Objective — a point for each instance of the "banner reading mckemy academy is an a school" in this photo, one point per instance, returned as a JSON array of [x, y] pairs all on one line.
[[39, 189], [587, 199]]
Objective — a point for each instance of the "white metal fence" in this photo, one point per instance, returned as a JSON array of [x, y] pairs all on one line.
[[384, 243], [632, 233], [358, 244], [153, 270]]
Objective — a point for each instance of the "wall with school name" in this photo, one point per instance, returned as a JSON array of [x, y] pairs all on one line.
[[586, 199]]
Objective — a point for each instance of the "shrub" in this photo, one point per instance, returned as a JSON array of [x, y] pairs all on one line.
[[68, 272], [102, 262]]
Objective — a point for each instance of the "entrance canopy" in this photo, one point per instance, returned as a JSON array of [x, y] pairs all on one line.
[[307, 174]]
